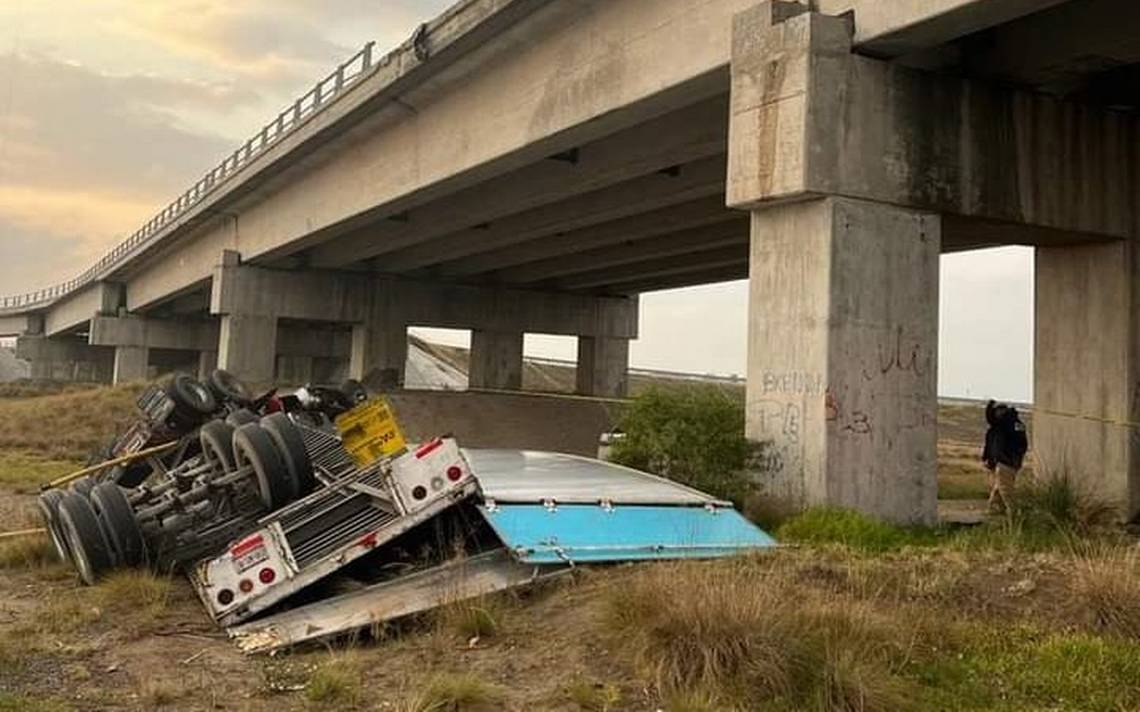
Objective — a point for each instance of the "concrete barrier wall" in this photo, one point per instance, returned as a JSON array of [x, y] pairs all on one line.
[[499, 420]]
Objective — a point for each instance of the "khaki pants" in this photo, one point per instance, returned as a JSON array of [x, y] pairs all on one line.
[[1002, 483]]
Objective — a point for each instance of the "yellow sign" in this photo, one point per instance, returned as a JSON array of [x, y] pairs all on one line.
[[370, 432]]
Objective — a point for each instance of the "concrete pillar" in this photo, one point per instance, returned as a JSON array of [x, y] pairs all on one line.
[[603, 366], [379, 354], [1086, 370], [247, 347], [130, 364], [207, 362], [496, 360], [843, 331]]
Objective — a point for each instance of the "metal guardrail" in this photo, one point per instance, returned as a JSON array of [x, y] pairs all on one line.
[[288, 121]]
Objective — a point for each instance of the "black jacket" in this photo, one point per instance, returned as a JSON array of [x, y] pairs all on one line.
[[1006, 441]]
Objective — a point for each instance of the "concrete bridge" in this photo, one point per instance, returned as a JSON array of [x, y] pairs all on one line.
[[532, 166]]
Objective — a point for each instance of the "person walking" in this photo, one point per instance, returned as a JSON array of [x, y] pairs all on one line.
[[1003, 454]]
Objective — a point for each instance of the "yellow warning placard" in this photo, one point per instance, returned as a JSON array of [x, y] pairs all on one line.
[[370, 432]]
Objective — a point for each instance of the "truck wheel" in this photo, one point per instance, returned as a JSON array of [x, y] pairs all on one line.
[[90, 552], [49, 512], [83, 485], [241, 417], [227, 387], [291, 447], [191, 397], [254, 447], [353, 392], [217, 438], [120, 524]]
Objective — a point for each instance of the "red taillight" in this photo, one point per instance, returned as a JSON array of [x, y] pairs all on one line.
[[454, 473], [245, 585], [266, 576]]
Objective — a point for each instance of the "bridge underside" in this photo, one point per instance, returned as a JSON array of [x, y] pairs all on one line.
[[540, 182]]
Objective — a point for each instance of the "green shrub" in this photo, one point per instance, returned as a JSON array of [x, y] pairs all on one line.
[[692, 434]]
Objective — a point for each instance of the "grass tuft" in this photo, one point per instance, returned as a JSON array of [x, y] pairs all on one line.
[[446, 692], [472, 618], [1108, 586], [337, 683], [30, 552]]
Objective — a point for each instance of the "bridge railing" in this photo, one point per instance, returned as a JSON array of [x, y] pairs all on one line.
[[286, 122]]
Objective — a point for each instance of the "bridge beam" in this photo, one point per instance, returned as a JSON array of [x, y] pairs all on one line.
[[133, 337], [379, 309]]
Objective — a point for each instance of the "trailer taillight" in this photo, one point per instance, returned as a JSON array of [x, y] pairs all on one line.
[[267, 576], [225, 597], [245, 585], [454, 473]]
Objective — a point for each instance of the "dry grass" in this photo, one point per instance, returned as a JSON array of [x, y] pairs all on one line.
[[1108, 586], [29, 552], [594, 697], [24, 473], [66, 426], [448, 691], [737, 632]]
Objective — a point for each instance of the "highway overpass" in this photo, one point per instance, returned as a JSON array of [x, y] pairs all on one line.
[[532, 166]]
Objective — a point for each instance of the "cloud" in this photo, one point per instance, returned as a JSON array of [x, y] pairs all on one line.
[[69, 127]]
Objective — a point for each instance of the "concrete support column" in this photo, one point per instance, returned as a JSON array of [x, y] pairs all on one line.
[[603, 366], [496, 360], [843, 332], [379, 354], [130, 364], [207, 362], [1087, 370], [247, 347]]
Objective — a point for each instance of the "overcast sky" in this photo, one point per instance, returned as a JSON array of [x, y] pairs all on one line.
[[110, 108]]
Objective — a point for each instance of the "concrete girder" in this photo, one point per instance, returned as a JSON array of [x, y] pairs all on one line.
[[313, 295], [18, 324], [689, 135], [898, 27], [648, 270], [149, 332], [671, 218], [74, 311], [810, 118], [733, 231], [65, 358]]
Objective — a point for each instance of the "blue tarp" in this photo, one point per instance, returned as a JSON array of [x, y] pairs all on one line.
[[589, 532]]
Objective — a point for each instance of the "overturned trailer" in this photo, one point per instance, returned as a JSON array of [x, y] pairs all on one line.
[[546, 512]]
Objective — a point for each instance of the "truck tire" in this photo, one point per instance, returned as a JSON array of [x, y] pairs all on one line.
[[354, 392], [90, 551], [217, 440], [228, 388], [253, 446], [241, 417], [291, 447], [49, 512], [192, 400], [119, 523], [83, 486]]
